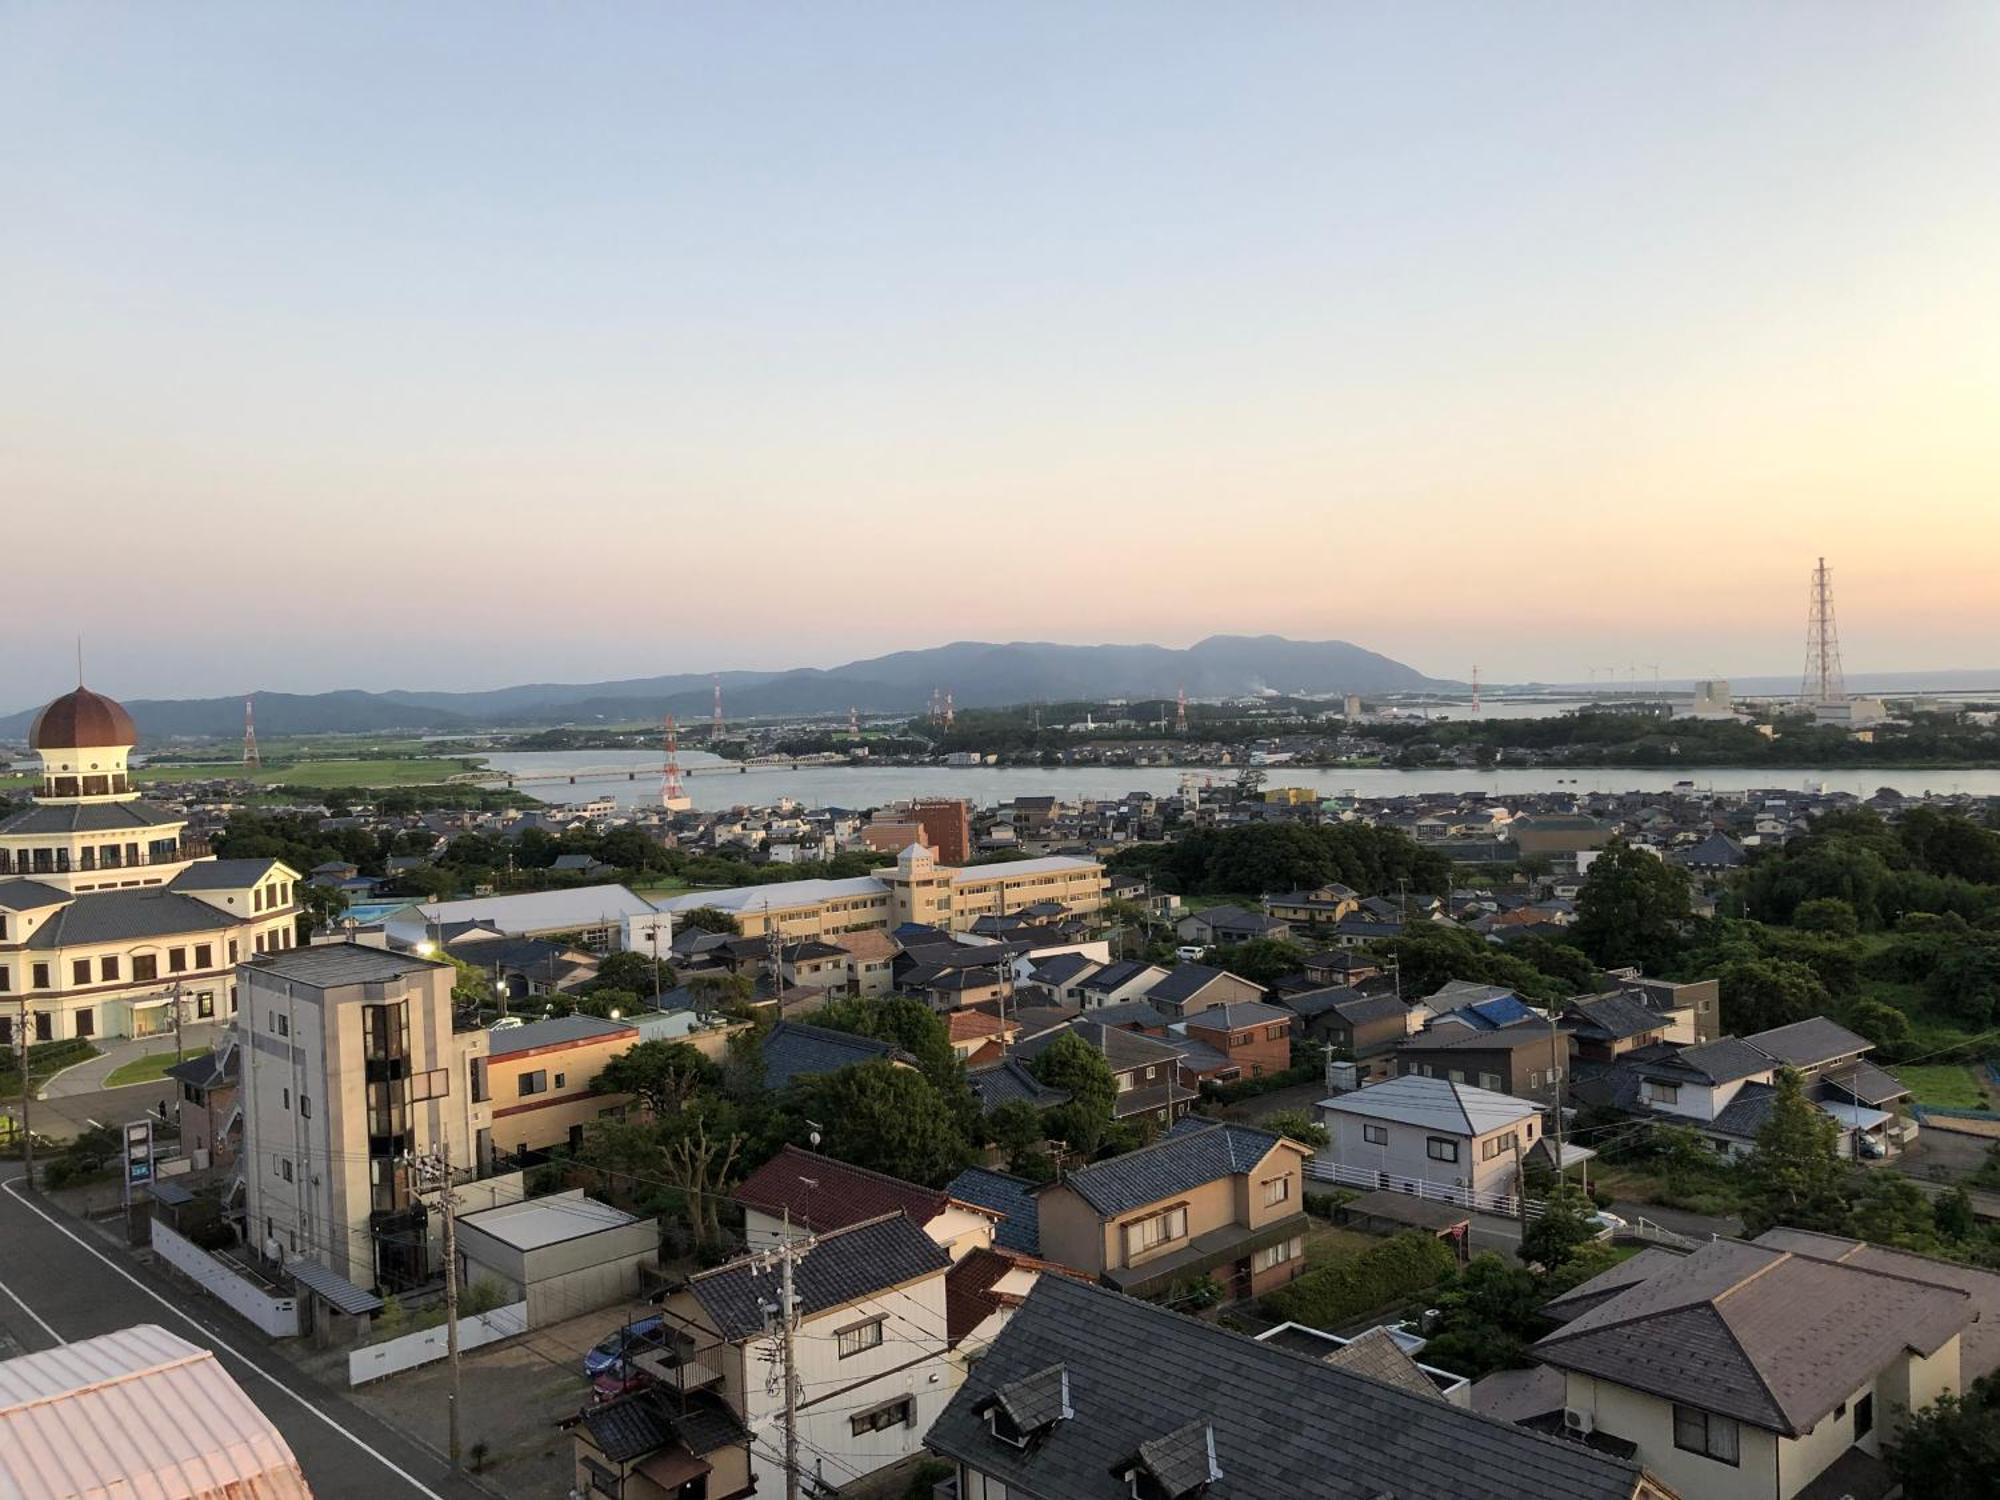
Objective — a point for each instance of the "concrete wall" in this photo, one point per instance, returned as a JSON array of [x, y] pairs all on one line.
[[277, 1316], [392, 1356]]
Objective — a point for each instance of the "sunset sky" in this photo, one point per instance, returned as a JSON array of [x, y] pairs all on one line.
[[452, 345]]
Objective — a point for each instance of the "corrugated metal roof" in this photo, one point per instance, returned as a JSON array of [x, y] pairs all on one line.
[[333, 1289], [140, 1412]]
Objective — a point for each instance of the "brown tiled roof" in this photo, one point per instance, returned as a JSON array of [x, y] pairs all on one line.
[[969, 1295], [1379, 1357], [823, 1194]]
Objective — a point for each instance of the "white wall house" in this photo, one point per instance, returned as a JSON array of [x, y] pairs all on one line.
[[1429, 1130]]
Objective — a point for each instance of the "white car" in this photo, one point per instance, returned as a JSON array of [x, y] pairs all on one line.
[[1607, 1224], [1190, 951], [506, 1023]]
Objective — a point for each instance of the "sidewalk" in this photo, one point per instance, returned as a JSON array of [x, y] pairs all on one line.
[[88, 1077]]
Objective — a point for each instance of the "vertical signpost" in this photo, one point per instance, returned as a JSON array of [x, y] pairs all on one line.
[[138, 1174]]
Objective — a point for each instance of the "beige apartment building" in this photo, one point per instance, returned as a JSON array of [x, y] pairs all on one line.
[[350, 1067], [915, 889], [113, 922]]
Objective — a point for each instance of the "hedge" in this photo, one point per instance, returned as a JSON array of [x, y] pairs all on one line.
[[1378, 1277]]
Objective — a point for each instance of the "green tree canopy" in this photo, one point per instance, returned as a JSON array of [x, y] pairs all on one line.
[[662, 1077], [1072, 1064], [1296, 1125], [705, 919], [1262, 960], [1827, 914], [1563, 1227], [883, 1117], [1949, 1450], [1760, 993], [1633, 909], [1794, 1174]]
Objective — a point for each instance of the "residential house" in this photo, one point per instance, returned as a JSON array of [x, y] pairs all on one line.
[[1528, 1059], [211, 1121], [1429, 1131], [539, 1076], [1146, 1068], [1607, 1027], [1252, 1039], [1122, 980], [794, 1050], [1366, 1028], [1010, 1199], [1191, 987], [1062, 973], [658, 1444], [1088, 1395], [871, 955], [798, 1193], [1321, 906], [1748, 1370], [872, 1342], [1206, 1199], [1340, 966], [1221, 926]]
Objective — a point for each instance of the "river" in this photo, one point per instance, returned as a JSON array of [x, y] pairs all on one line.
[[713, 784]]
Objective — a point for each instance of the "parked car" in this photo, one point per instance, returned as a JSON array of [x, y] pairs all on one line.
[[1191, 952], [610, 1356], [1606, 1224]]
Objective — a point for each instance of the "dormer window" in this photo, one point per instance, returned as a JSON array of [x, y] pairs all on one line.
[[1022, 1410], [1175, 1466]]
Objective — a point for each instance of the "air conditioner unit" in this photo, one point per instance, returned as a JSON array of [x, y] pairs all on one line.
[[1582, 1423]]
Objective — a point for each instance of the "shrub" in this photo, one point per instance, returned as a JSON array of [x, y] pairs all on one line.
[[1378, 1277]]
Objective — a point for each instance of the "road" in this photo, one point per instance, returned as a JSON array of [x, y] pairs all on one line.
[[59, 1282]]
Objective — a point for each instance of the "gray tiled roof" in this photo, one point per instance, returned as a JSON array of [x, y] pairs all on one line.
[[1377, 1355], [793, 1051], [1115, 975], [1808, 1043], [1010, 1080], [1767, 1337], [330, 965], [30, 895], [88, 817], [121, 916], [844, 1266], [1006, 1194], [1129, 1013], [1285, 1425], [1242, 1013], [1185, 981], [1192, 1153], [1317, 1002], [1123, 1050], [1616, 1017], [1723, 1060], [1868, 1083], [628, 1428], [223, 874], [1745, 1115], [1182, 1461]]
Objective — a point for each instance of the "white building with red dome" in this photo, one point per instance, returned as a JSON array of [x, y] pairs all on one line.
[[112, 920]]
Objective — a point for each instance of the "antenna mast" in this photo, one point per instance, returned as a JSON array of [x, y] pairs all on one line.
[[1823, 681], [715, 728], [252, 761], [1180, 711], [673, 795]]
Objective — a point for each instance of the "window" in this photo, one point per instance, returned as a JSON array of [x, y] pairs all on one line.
[[285, 1168], [1490, 1081], [86, 1023], [1697, 1431], [285, 1098], [1437, 1148], [1277, 1190], [852, 1341], [281, 1023], [42, 980], [204, 955], [145, 967], [204, 1005], [1276, 1033], [79, 971], [1864, 1416], [1375, 1135], [232, 950], [6, 979], [561, 1079], [536, 1082], [1457, 1075], [1662, 1093], [45, 1026], [305, 1107], [107, 967], [896, 1414], [1144, 1234], [1277, 1255], [177, 960], [1488, 1149]]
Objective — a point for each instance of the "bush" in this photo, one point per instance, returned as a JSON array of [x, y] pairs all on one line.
[[1379, 1277], [929, 1475], [1323, 1205]]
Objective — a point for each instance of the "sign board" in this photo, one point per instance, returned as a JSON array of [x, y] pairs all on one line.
[[138, 1156]]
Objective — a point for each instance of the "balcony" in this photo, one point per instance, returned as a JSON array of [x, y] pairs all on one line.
[[29, 863]]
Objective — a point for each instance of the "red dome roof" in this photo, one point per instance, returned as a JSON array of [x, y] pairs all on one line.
[[80, 720]]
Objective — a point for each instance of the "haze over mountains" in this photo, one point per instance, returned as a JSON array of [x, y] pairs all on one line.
[[978, 674]]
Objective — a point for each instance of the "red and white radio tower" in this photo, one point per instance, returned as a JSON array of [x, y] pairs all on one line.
[[715, 726], [854, 721], [252, 761], [949, 714], [1180, 712], [673, 796]]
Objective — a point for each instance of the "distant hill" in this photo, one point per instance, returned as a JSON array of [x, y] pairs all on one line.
[[980, 674]]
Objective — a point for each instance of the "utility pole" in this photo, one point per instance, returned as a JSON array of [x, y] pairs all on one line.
[[27, 1094], [788, 1312], [438, 1164], [1520, 1187]]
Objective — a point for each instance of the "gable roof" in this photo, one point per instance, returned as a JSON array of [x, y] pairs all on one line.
[[793, 1050], [1808, 1043], [1009, 1080], [822, 1194], [1115, 976], [843, 1267], [224, 874], [1003, 1193], [1615, 1017], [1238, 1014], [1185, 981], [1767, 1337], [1284, 1424], [1194, 1152], [1377, 1355], [1724, 1060], [1450, 1037], [120, 916], [1434, 1104]]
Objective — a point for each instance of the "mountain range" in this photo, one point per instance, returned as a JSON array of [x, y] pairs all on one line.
[[979, 674]]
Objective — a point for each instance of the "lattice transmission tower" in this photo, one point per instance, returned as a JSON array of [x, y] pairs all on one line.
[[1823, 682]]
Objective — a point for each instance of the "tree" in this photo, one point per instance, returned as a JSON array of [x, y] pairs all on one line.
[[705, 919], [1296, 1125], [320, 908], [1073, 1065], [1564, 1226], [1880, 1023], [1949, 1450], [1794, 1173], [883, 1117], [1953, 1216], [1633, 909], [664, 1077], [627, 970], [699, 1147], [919, 1031], [1262, 961], [1016, 1128], [1760, 993], [720, 992], [1829, 915]]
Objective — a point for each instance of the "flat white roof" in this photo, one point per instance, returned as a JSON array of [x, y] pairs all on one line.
[[137, 1412], [780, 894], [1013, 869], [538, 1223], [541, 911]]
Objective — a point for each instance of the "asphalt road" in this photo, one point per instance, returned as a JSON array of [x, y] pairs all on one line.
[[60, 1282]]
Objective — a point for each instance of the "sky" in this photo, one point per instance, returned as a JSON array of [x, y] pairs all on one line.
[[457, 345]]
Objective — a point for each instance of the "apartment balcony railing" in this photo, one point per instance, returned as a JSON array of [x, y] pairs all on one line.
[[32, 862]]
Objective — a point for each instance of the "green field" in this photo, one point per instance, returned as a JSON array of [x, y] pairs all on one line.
[[148, 1069], [385, 771], [1945, 1085]]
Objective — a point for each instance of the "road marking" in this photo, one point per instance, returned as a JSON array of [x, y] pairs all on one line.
[[32, 1313], [13, 1184]]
